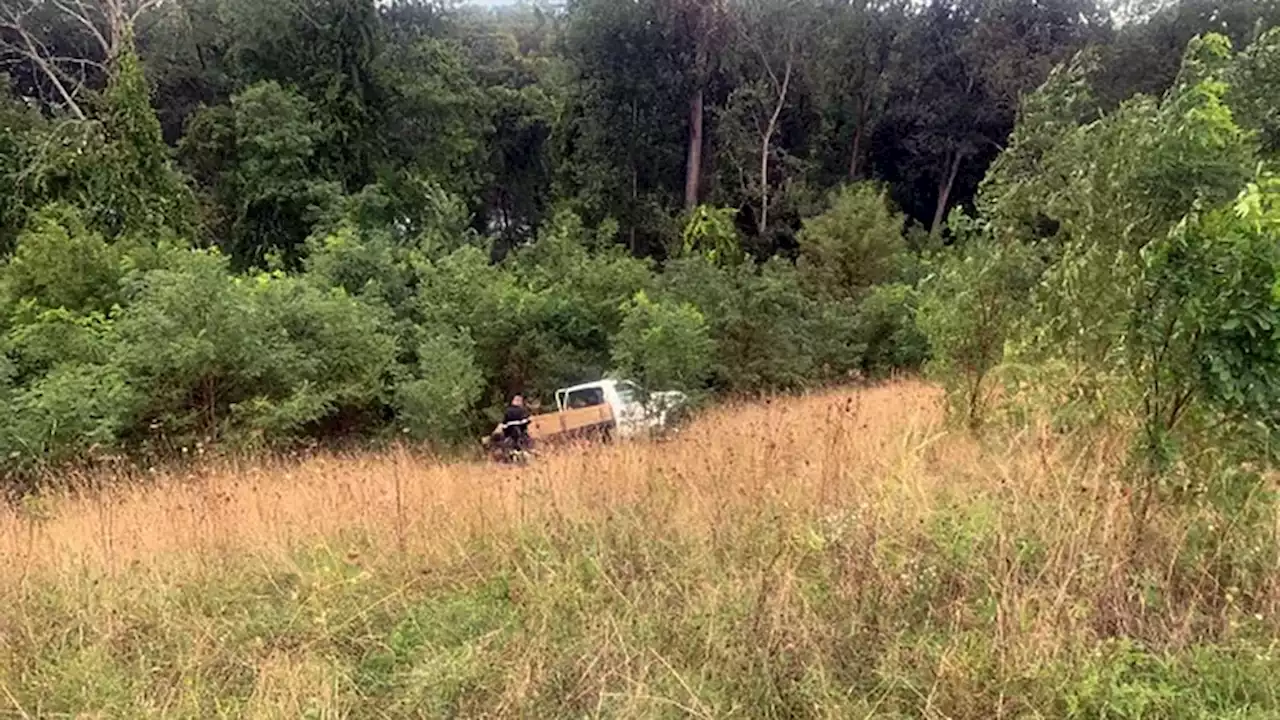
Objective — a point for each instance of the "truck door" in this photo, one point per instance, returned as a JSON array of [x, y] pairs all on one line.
[[632, 416]]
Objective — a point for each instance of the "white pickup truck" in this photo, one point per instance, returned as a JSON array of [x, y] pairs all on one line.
[[615, 408]]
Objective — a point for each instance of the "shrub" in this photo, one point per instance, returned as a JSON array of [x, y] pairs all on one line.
[[60, 263], [434, 399], [855, 244], [664, 345], [970, 306], [255, 357]]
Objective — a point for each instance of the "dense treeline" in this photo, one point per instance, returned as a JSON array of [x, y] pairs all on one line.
[[252, 223]]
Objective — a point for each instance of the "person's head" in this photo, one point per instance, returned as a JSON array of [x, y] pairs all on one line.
[[518, 400]]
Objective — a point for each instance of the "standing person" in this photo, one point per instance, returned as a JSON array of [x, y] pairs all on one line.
[[515, 423]]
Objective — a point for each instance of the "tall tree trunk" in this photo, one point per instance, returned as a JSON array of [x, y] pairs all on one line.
[[693, 173], [635, 197], [765, 146], [944, 193], [856, 155], [116, 28], [635, 175], [700, 25]]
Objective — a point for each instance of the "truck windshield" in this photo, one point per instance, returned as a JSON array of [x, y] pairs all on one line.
[[628, 393]]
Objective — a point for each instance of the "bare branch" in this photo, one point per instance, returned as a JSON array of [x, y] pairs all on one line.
[[105, 22], [768, 141], [77, 62], [80, 13], [30, 50]]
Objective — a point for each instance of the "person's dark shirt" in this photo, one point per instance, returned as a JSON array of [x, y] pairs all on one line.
[[516, 421]]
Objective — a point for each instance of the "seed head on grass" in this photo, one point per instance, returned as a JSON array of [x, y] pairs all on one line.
[[841, 554]]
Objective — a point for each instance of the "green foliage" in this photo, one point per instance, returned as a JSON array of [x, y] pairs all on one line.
[[622, 147], [60, 264], [1205, 316], [154, 195], [329, 50], [259, 162], [663, 345], [769, 333], [1127, 266], [1131, 303], [434, 401], [142, 191], [75, 410], [439, 111], [18, 126], [368, 264], [710, 232], [972, 303], [115, 169], [1254, 85], [888, 331], [255, 358], [855, 244]]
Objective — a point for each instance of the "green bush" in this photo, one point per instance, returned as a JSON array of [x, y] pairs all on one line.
[[971, 304], [856, 244], [67, 414], [251, 358], [59, 263], [664, 345], [890, 337], [433, 401]]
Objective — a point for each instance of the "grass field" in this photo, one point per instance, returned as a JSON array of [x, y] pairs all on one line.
[[838, 556]]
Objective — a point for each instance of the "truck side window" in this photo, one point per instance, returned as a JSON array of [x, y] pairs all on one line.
[[586, 398]]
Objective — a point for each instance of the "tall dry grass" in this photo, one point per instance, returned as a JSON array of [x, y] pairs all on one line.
[[846, 554], [806, 453]]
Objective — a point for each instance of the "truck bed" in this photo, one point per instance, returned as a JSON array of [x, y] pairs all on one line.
[[553, 424]]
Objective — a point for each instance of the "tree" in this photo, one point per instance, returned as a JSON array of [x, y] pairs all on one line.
[[663, 345], [957, 104], [855, 244], [521, 98], [853, 61], [433, 401], [700, 26], [439, 113], [34, 34], [329, 50], [258, 161], [710, 233], [59, 263], [973, 301], [253, 359], [19, 126], [1157, 297], [186, 46], [1254, 87], [1146, 54], [772, 33], [621, 154], [114, 167]]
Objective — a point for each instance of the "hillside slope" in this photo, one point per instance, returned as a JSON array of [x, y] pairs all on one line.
[[842, 555]]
